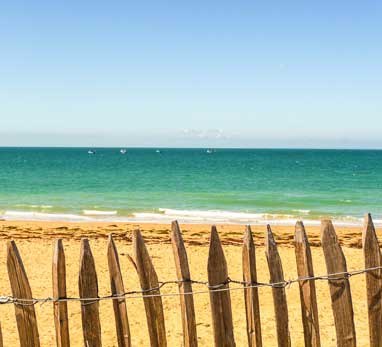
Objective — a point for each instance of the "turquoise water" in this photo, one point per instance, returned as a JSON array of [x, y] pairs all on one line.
[[238, 185]]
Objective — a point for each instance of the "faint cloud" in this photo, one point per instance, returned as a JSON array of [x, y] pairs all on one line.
[[206, 134]]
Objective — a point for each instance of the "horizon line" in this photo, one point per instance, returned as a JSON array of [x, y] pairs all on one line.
[[204, 147]]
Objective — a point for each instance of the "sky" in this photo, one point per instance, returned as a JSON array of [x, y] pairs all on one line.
[[191, 74]]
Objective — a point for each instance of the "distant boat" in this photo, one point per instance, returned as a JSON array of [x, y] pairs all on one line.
[[123, 151], [91, 151], [158, 151], [209, 151]]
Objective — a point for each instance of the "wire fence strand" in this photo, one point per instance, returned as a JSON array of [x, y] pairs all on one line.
[[155, 292]]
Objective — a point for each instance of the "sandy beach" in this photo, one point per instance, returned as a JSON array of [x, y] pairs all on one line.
[[35, 239]]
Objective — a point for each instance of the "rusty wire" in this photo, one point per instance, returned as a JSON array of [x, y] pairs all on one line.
[[155, 292]]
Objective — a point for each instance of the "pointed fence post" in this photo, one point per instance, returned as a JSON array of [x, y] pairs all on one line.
[[372, 256], [185, 287], [251, 295], [278, 292], [308, 297], [25, 314], [117, 288], [220, 300], [339, 286], [60, 309], [149, 280], [88, 288]]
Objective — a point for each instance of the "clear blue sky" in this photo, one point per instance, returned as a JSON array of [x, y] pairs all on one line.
[[196, 73]]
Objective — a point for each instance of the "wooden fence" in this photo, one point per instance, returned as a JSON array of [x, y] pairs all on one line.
[[218, 286]]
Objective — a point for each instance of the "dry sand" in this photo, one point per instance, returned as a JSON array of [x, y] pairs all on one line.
[[35, 239]]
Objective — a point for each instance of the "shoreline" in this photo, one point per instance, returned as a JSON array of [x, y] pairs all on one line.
[[194, 217], [156, 233]]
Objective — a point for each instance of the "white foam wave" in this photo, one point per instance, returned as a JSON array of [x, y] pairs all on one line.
[[99, 213], [39, 216], [165, 215], [211, 216], [302, 211], [34, 206]]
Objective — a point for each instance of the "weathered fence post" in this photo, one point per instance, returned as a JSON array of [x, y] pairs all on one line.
[[251, 295], [1, 337], [339, 286], [185, 287], [220, 300], [149, 282], [25, 314], [117, 288], [88, 288], [279, 296], [308, 297], [59, 291], [372, 256]]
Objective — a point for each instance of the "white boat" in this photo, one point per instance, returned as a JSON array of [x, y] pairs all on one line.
[[157, 151], [208, 151], [91, 151], [123, 151]]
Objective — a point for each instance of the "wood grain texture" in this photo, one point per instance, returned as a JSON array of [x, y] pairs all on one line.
[[117, 287], [220, 300], [279, 297], [60, 309], [339, 286], [251, 295], [190, 338], [149, 279], [308, 298], [372, 256], [88, 288], [1, 337], [25, 315]]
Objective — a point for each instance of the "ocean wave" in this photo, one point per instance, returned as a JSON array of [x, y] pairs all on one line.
[[230, 217], [40, 216], [302, 211], [165, 215], [34, 206], [211, 214], [99, 213], [201, 217]]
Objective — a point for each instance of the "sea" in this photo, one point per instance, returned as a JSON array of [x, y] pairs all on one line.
[[197, 185]]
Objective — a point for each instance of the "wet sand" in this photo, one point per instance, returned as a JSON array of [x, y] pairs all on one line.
[[35, 239]]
